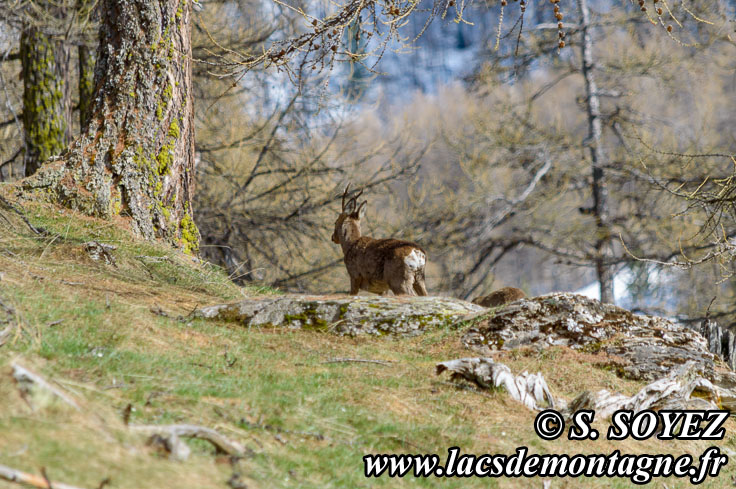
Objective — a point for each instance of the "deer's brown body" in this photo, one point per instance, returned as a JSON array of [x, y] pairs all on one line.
[[378, 265]]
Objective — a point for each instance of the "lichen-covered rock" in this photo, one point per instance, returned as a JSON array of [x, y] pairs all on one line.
[[648, 346], [348, 315]]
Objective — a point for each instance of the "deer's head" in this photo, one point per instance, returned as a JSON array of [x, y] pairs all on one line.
[[347, 226]]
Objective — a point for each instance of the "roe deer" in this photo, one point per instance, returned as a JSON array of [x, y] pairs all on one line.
[[377, 265]]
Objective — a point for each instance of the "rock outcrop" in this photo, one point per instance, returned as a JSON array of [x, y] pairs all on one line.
[[646, 347], [349, 315], [638, 347]]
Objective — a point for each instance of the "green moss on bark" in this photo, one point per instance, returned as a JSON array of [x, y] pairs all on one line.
[[189, 234], [174, 129], [86, 84], [45, 115], [134, 157]]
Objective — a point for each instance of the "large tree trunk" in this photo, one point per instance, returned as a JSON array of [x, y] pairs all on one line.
[[86, 84], [135, 157], [598, 184], [86, 65], [46, 97]]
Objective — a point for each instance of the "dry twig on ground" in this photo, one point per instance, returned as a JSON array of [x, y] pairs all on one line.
[[20, 477]]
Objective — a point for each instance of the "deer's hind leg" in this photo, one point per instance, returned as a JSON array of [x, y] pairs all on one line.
[[419, 287], [354, 286], [403, 289], [402, 285]]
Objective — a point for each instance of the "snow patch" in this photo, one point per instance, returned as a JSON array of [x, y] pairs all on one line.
[[621, 281]]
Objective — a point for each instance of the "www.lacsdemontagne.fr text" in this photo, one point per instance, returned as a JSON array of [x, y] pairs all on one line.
[[640, 469]]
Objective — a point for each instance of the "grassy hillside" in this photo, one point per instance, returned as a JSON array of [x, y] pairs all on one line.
[[118, 335]]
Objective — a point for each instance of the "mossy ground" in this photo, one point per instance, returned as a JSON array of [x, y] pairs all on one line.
[[306, 423]]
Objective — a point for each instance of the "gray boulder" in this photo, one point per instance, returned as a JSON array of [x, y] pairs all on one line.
[[348, 315], [646, 347]]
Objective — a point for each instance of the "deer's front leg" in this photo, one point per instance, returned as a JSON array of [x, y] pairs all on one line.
[[354, 286]]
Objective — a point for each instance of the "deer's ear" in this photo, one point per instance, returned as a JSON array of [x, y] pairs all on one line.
[[361, 209]]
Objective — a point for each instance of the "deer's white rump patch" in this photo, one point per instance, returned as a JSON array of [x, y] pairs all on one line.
[[415, 260]]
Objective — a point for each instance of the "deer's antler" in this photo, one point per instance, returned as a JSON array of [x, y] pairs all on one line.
[[352, 202]]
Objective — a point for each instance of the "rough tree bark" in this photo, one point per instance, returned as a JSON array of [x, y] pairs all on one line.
[[86, 66], [600, 209], [86, 84], [46, 97], [135, 157]]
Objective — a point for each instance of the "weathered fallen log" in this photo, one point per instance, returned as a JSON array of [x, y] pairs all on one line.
[[674, 391], [20, 477], [348, 315], [529, 389], [169, 436]]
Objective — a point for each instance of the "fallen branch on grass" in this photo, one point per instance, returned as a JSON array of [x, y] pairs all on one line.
[[8, 312], [158, 311], [5, 334], [7, 206], [19, 477], [101, 251], [155, 259], [34, 387], [169, 436], [529, 389], [357, 360]]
